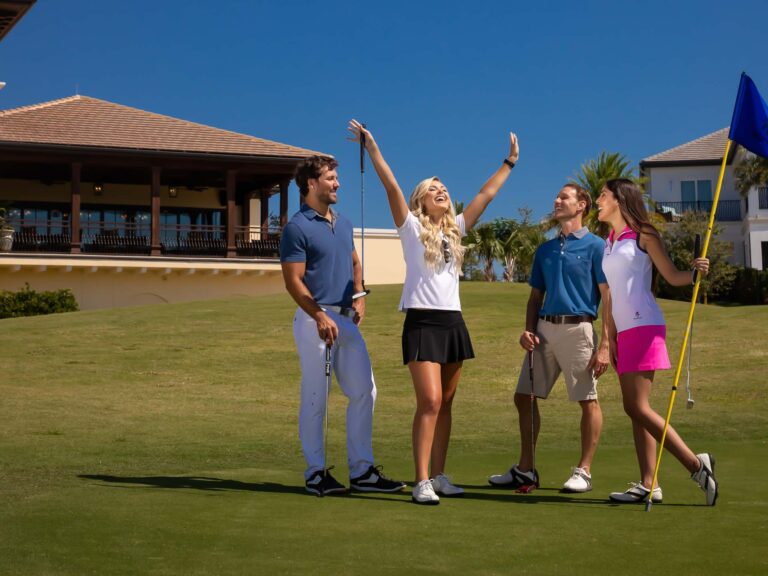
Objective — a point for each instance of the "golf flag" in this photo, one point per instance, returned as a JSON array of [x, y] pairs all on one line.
[[749, 125]]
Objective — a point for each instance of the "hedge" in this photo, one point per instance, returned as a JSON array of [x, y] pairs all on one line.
[[27, 302]]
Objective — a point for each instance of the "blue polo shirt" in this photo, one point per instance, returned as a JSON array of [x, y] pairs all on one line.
[[568, 270], [326, 249]]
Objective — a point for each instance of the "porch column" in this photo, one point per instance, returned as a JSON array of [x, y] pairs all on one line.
[[264, 203], [74, 210], [231, 212], [284, 202], [154, 242]]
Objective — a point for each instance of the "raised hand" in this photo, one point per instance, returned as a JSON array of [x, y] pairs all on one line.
[[514, 148]]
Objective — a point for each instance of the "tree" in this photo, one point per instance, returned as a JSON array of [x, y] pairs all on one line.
[[483, 243], [679, 240], [595, 173], [751, 173], [519, 241]]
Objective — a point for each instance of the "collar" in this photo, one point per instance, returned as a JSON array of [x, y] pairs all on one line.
[[579, 234], [311, 214]]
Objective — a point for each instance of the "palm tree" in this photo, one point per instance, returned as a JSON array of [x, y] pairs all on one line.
[[483, 242], [596, 172], [519, 241], [751, 173]]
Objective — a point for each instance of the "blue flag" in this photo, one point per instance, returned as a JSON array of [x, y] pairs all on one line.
[[749, 126]]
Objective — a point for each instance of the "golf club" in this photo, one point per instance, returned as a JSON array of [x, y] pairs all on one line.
[[327, 398], [362, 205], [528, 488]]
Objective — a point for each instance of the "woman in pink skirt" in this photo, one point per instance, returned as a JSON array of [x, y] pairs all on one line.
[[638, 348]]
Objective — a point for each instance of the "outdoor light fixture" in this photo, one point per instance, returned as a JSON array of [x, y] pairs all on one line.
[[98, 189], [173, 191]]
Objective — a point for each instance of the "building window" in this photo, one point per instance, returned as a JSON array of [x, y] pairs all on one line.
[[764, 246], [762, 196], [688, 193]]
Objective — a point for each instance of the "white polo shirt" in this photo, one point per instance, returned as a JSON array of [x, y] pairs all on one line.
[[424, 287], [628, 269]]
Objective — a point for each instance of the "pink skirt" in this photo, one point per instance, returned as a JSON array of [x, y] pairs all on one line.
[[642, 349]]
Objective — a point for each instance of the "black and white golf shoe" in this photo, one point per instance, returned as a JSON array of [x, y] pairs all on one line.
[[373, 480], [514, 478], [322, 483], [637, 493], [705, 477]]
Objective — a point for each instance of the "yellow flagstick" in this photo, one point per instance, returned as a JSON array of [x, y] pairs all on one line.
[[688, 327]]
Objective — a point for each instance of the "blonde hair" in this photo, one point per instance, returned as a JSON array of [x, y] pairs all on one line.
[[430, 232]]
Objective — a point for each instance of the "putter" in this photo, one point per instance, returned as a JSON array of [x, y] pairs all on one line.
[[327, 398], [528, 488], [690, 402]]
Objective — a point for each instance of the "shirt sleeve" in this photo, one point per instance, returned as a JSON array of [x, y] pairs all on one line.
[[293, 245], [410, 226], [597, 262], [536, 279], [461, 223]]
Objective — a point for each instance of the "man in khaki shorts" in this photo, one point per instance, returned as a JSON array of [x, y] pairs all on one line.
[[567, 284]]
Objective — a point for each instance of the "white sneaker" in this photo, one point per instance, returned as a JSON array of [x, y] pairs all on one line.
[[580, 481], [637, 493], [442, 486], [705, 477], [423, 493]]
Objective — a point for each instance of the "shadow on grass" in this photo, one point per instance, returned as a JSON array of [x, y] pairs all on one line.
[[195, 483]]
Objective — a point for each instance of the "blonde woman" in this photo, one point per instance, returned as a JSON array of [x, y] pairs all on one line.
[[435, 338]]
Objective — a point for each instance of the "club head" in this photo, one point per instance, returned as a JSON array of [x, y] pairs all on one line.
[[689, 404], [526, 488]]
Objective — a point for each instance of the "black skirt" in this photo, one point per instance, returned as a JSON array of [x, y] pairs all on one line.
[[435, 336]]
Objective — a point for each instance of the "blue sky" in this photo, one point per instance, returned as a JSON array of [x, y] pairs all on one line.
[[440, 83]]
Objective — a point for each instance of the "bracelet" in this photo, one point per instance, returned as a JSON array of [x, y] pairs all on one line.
[[360, 294], [509, 163]]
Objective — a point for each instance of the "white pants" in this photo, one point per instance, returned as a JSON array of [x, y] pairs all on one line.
[[352, 366]]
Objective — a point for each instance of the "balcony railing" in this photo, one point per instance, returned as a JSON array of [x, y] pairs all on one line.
[[727, 210], [132, 239]]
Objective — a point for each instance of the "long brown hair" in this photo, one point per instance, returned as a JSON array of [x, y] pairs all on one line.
[[631, 205]]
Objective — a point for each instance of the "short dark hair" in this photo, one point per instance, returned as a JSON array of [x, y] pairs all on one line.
[[582, 195], [312, 167]]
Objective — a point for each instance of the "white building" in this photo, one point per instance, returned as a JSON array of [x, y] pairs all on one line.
[[684, 178]]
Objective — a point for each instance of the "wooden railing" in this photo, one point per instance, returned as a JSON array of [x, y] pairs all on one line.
[[127, 238]]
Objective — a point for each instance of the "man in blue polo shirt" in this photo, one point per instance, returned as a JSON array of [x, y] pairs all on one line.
[[567, 284], [322, 273]]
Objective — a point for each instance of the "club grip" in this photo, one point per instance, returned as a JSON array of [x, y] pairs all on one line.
[[327, 360], [696, 254], [362, 150]]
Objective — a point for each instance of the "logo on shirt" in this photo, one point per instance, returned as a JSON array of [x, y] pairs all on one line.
[[638, 316]]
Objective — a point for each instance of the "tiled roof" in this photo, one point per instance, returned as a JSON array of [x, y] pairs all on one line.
[[704, 149], [85, 121]]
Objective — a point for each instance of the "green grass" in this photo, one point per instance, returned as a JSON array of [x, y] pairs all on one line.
[[163, 440]]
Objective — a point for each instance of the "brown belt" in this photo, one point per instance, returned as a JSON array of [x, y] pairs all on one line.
[[573, 319]]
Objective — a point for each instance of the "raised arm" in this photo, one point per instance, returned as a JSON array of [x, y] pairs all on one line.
[[397, 203], [487, 193], [658, 253]]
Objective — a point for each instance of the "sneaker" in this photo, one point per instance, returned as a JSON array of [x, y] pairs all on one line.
[[705, 477], [515, 478], [442, 486], [637, 493], [322, 483], [374, 481], [580, 481], [423, 493]]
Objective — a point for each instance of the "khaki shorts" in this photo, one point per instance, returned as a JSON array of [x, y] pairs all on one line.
[[565, 348]]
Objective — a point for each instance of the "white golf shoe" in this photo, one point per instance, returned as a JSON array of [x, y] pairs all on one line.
[[637, 493], [443, 487], [423, 493], [705, 477], [580, 481]]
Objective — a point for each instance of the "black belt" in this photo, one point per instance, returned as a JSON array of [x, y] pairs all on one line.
[[342, 310], [573, 319]]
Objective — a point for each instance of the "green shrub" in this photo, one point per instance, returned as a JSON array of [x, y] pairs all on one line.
[[28, 302]]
